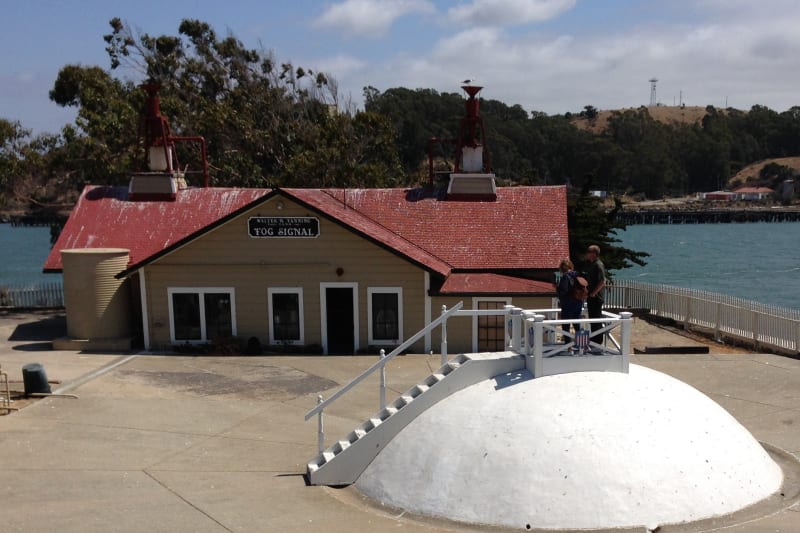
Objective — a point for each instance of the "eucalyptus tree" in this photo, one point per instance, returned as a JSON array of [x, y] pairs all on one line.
[[265, 123]]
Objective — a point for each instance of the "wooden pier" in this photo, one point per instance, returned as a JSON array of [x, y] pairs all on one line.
[[712, 216]]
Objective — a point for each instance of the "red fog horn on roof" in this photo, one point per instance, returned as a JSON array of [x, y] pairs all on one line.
[[159, 142], [157, 134], [471, 152]]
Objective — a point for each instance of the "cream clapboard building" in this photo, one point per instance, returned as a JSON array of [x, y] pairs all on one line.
[[339, 271]]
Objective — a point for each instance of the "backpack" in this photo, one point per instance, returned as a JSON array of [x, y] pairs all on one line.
[[579, 287]]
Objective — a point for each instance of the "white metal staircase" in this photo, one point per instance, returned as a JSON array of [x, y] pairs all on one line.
[[344, 461], [531, 345]]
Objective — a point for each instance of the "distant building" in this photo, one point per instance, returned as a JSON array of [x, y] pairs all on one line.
[[720, 196], [754, 193]]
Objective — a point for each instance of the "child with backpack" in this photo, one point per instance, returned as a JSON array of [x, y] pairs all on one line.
[[572, 290]]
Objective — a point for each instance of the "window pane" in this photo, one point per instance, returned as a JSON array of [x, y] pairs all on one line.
[[286, 316], [218, 315], [384, 316], [186, 309], [491, 330]]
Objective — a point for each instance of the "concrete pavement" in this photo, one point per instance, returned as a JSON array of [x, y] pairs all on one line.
[[217, 444]]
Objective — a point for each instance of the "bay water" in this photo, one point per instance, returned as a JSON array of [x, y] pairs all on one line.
[[23, 250], [757, 261]]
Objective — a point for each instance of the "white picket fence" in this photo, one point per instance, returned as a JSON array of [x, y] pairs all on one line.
[[765, 326], [32, 296]]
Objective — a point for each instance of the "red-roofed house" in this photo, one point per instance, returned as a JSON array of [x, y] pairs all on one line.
[[754, 193], [341, 269]]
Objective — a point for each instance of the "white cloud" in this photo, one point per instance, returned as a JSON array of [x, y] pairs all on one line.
[[369, 18], [738, 62], [508, 12], [341, 66]]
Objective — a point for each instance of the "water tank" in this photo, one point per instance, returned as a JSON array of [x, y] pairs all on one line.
[[98, 304]]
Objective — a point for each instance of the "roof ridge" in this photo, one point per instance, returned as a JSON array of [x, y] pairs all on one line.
[[405, 239]]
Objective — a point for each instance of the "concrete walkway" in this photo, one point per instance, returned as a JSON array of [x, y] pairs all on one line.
[[218, 444]]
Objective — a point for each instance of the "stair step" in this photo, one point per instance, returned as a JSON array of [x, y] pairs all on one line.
[[402, 401], [386, 412], [419, 389], [449, 367], [359, 433], [312, 467], [343, 445], [328, 455]]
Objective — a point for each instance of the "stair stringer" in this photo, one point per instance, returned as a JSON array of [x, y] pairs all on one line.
[[344, 461]]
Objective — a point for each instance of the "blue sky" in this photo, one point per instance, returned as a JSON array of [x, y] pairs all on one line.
[[546, 55]]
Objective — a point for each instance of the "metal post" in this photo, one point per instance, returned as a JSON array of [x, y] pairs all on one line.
[[516, 329], [755, 329], [538, 330], [550, 333], [320, 428], [525, 341], [625, 346], [687, 320], [507, 326], [530, 334], [383, 380], [797, 338], [444, 337]]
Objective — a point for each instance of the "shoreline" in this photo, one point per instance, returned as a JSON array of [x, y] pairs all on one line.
[[707, 216]]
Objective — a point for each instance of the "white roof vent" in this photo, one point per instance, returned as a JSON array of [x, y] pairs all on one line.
[[155, 186], [472, 187]]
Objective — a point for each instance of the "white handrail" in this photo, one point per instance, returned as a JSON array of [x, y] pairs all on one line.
[[383, 360], [516, 341]]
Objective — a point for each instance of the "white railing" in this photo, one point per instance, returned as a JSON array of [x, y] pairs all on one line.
[[379, 365], [532, 333], [30, 296], [765, 326]]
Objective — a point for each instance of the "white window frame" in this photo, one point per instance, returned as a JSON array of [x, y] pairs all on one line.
[[385, 290], [200, 291], [286, 290], [475, 300]]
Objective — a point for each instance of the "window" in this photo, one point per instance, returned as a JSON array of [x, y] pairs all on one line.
[[489, 332], [286, 315], [201, 315], [385, 315]]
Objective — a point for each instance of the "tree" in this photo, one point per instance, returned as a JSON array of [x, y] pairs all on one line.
[[101, 146], [590, 112], [265, 123], [27, 179], [589, 223]]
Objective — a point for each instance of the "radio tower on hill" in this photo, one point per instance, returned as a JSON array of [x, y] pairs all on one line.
[[653, 100]]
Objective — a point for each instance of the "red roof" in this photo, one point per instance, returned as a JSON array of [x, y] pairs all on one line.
[[104, 218], [485, 283], [525, 228], [754, 190]]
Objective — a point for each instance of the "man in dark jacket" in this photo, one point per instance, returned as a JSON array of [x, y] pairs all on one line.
[[596, 276]]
